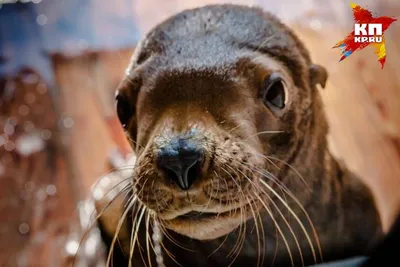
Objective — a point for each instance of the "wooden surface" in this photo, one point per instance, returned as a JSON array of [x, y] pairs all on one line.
[[87, 85], [37, 202]]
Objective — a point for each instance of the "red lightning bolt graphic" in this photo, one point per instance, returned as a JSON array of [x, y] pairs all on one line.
[[361, 16]]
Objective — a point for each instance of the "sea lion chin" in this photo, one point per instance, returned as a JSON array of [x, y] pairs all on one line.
[[222, 108]]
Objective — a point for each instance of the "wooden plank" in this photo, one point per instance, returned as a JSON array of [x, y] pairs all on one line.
[[87, 134], [36, 195]]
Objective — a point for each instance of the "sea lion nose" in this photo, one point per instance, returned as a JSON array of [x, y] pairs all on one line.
[[181, 160]]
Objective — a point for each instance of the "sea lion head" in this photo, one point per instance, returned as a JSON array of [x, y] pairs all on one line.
[[215, 101]]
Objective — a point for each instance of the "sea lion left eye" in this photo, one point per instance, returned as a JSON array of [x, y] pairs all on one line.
[[274, 92], [124, 109]]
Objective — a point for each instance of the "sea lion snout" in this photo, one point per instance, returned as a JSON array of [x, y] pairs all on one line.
[[194, 172], [181, 160]]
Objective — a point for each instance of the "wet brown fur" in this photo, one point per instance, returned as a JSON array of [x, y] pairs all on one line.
[[197, 74]]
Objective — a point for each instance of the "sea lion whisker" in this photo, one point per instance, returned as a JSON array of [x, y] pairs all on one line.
[[170, 238], [132, 208], [223, 241], [158, 203], [259, 250], [92, 224], [234, 128], [124, 190], [243, 236], [291, 167], [263, 132], [148, 241], [280, 213], [220, 200], [282, 187], [296, 218], [276, 247], [230, 215], [270, 176], [134, 222], [134, 239], [288, 192], [258, 154], [219, 179], [265, 42], [277, 227], [263, 238], [208, 202], [169, 207], [169, 254], [116, 169], [226, 236], [119, 226], [288, 224], [134, 143], [210, 189], [242, 231]]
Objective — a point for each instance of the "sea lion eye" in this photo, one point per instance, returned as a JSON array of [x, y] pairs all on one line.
[[274, 92], [124, 108]]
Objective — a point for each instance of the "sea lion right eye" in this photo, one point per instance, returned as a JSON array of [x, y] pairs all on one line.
[[124, 108], [274, 95]]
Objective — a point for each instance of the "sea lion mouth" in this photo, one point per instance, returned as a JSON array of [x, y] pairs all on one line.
[[208, 225], [196, 215]]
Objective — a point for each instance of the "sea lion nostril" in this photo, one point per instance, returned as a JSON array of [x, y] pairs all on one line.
[[181, 162]]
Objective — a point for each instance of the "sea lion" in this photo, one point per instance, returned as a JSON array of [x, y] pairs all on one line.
[[222, 107]]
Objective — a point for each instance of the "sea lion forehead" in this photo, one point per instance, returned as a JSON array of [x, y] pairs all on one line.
[[215, 35], [193, 55], [214, 29]]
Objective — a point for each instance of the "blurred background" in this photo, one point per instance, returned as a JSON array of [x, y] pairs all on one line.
[[61, 61]]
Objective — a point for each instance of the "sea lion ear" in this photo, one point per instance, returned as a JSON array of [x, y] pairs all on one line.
[[318, 75]]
